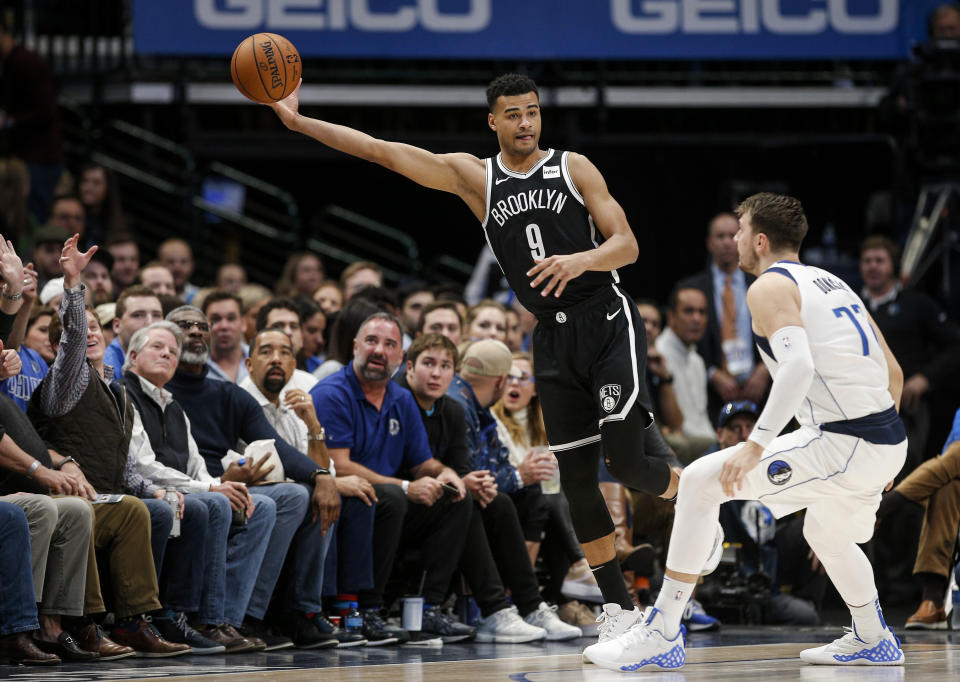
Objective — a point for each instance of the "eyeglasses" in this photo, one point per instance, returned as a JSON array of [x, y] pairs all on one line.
[[187, 325], [523, 379]]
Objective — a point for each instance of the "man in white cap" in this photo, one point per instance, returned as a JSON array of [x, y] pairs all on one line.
[[498, 487]]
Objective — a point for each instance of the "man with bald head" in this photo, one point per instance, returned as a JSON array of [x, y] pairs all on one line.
[[177, 256]]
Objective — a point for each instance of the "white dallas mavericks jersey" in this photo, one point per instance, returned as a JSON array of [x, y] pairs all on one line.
[[851, 378]]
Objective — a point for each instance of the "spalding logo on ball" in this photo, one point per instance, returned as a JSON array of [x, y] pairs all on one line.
[[265, 67]]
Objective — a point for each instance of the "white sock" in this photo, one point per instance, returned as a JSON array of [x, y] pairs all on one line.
[[673, 598], [868, 621]]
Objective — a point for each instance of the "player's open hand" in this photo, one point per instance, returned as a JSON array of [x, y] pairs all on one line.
[[287, 108], [556, 271], [738, 465]]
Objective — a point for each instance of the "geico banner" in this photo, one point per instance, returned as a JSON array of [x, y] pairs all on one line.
[[538, 29]]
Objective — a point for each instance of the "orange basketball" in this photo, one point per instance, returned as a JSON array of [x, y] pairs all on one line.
[[265, 67]]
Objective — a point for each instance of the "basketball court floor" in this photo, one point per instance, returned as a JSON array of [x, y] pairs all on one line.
[[735, 653]]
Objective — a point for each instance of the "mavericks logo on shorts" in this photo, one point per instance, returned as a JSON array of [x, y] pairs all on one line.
[[779, 472], [609, 397]]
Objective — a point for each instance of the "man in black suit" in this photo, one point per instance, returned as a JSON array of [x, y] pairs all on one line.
[[734, 369]]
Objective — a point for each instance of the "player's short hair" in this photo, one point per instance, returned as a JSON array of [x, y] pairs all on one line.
[[510, 84], [879, 241], [778, 216], [430, 341]]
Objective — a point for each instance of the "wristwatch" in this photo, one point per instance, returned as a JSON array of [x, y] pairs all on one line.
[[11, 297], [66, 460], [33, 468], [319, 471], [322, 436]]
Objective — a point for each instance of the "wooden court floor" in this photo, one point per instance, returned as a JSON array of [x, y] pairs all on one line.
[[734, 654]]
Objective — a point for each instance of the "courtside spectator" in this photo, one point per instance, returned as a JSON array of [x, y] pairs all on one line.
[[374, 431], [136, 308], [329, 295]]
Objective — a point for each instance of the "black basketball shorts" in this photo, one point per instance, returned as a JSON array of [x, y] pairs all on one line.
[[589, 365]]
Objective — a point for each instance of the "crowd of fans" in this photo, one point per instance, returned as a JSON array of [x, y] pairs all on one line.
[[292, 457]]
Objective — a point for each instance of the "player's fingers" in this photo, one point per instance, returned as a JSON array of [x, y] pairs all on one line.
[[560, 287], [539, 265]]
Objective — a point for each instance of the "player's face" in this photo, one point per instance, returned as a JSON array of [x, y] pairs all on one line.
[[516, 120], [431, 376], [520, 387], [745, 249], [720, 242], [876, 268]]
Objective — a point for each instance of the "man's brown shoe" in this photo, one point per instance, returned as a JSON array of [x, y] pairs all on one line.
[[21, 649], [228, 636], [928, 617], [146, 641], [92, 638]]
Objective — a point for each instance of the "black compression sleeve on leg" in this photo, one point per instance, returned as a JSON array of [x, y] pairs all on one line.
[[624, 451], [578, 477]]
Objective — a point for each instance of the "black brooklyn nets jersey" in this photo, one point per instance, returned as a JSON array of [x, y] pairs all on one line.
[[538, 214]]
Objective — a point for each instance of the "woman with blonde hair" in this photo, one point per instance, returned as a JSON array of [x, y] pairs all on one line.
[[302, 274], [486, 320], [521, 430]]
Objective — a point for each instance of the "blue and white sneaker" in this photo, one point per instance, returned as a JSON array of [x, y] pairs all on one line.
[[695, 619], [641, 648], [851, 650]]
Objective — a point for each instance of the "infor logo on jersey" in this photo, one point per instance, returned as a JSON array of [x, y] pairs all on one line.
[[609, 397], [551, 172]]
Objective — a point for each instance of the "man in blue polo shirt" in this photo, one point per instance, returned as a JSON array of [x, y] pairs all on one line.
[[374, 430]]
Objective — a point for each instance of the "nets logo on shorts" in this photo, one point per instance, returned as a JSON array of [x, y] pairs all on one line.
[[779, 472], [609, 397]]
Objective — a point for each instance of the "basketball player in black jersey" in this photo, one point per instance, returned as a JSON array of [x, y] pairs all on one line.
[[559, 237]]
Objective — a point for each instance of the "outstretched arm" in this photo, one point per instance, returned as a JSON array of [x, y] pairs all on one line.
[[618, 249], [460, 174]]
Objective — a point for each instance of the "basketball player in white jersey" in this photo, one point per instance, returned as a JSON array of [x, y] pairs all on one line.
[[833, 372]]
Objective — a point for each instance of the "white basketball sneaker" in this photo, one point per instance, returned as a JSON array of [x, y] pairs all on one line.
[[641, 648], [613, 621], [715, 554], [851, 650]]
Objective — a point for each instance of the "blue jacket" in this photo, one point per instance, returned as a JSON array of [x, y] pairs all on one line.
[[486, 450]]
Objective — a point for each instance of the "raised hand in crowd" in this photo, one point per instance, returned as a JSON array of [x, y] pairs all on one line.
[[73, 261]]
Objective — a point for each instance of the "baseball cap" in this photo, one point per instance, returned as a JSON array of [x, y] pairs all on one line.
[[105, 313], [51, 290], [737, 407], [487, 358]]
